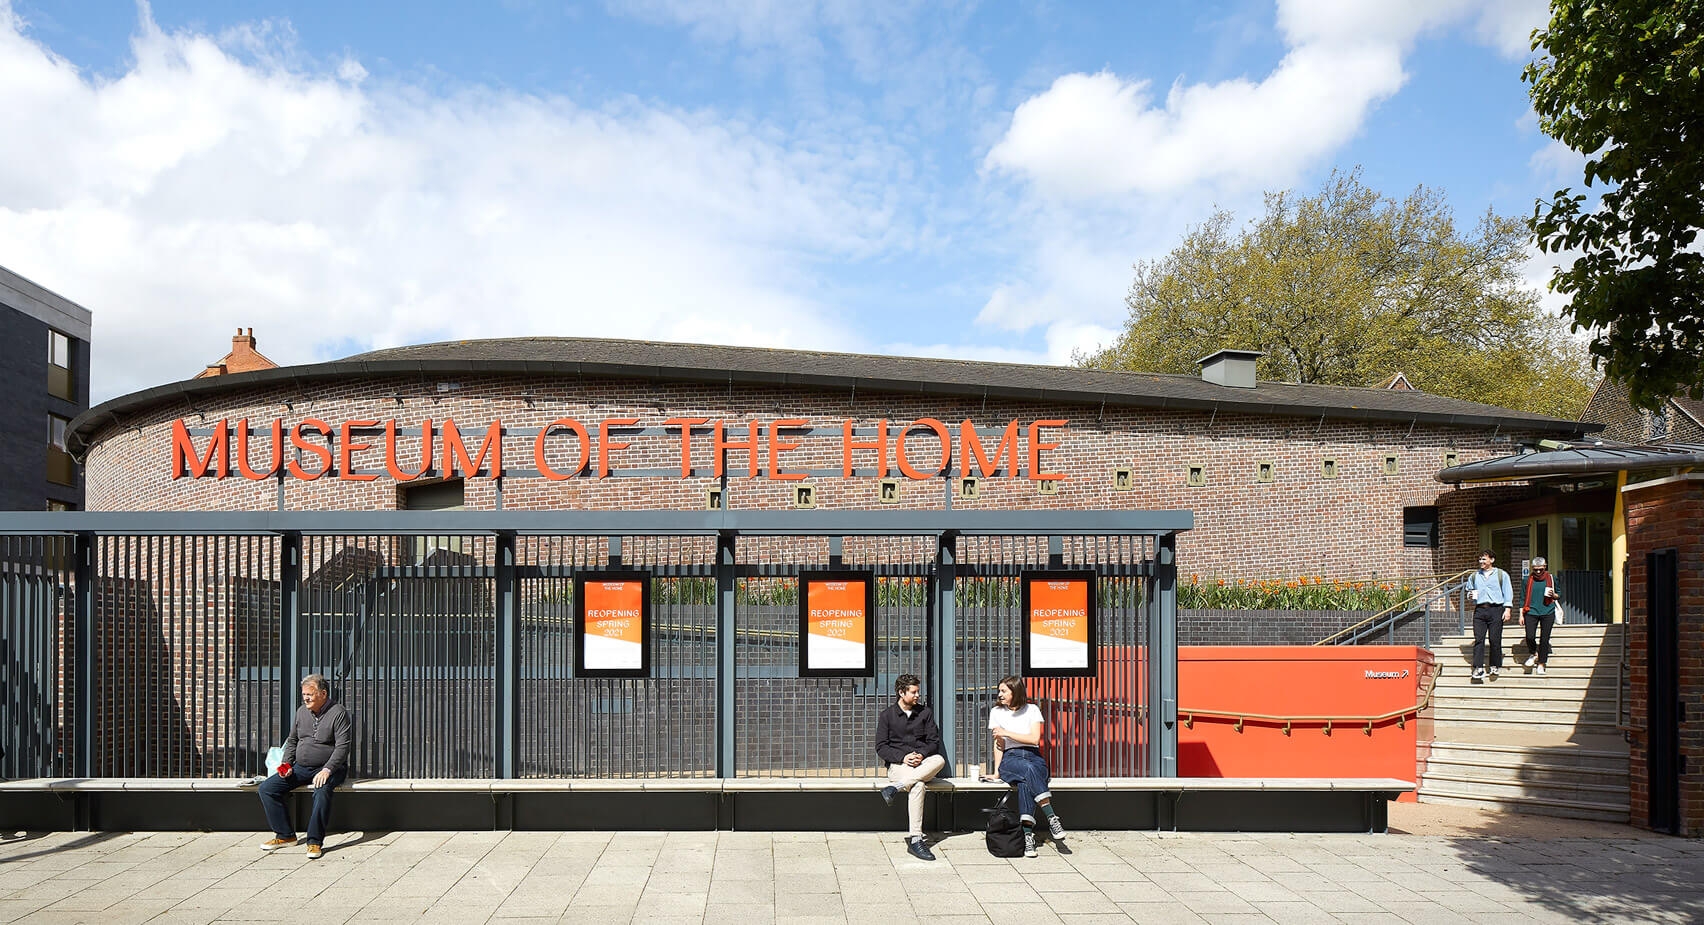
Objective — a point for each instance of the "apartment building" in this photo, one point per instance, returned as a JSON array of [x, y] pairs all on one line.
[[44, 376]]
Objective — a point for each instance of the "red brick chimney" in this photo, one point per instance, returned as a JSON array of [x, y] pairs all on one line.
[[243, 358]]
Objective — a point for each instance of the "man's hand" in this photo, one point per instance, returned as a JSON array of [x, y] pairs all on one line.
[[1508, 614], [320, 778], [913, 760]]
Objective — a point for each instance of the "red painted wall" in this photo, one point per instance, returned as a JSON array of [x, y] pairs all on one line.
[[1301, 681]]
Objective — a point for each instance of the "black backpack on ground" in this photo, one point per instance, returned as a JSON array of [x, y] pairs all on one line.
[[1005, 832]]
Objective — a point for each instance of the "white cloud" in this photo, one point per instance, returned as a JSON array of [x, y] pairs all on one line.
[[1112, 171], [1094, 135], [1098, 135], [214, 185]]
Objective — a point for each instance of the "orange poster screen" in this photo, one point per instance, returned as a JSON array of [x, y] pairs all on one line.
[[835, 610], [615, 621], [1059, 610]]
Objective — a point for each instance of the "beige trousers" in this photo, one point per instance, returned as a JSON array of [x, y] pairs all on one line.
[[907, 778]]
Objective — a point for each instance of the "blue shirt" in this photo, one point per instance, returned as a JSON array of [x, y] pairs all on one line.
[[1493, 587]]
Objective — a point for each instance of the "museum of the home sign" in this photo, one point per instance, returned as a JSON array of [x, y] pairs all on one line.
[[366, 450]]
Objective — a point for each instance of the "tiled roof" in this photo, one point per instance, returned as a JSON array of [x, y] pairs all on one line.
[[809, 369]]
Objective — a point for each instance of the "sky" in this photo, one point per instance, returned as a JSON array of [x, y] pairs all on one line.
[[922, 177]]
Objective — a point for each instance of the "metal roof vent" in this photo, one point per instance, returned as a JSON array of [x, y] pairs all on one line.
[[1234, 368]]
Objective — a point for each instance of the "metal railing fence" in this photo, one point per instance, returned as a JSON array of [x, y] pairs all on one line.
[[172, 645]]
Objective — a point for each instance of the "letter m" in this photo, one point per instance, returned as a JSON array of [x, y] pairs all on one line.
[[455, 451], [185, 461]]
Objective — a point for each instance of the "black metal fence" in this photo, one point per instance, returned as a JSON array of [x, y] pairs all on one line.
[[129, 653]]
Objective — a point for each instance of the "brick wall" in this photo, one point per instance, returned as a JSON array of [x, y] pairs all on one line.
[[1291, 627], [1667, 516], [1299, 523]]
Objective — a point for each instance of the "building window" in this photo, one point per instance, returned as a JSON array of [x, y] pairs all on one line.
[[53, 505], [1328, 469], [448, 495], [1657, 424], [1197, 476], [1420, 526], [61, 470], [59, 381], [434, 496]]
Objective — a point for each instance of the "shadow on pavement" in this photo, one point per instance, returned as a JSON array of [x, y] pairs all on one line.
[[86, 841]]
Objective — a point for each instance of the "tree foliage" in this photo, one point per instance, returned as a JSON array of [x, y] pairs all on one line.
[[1619, 81], [1347, 287]]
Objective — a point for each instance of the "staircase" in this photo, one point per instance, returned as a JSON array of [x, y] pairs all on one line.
[[1524, 743]]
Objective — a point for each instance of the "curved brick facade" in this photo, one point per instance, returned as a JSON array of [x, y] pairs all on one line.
[[1298, 523]]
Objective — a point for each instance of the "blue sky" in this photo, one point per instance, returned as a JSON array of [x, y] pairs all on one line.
[[940, 178]]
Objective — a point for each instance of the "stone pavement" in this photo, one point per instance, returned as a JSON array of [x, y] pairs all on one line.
[[1476, 873]]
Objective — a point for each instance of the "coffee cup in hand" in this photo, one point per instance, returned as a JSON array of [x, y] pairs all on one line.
[[1473, 596]]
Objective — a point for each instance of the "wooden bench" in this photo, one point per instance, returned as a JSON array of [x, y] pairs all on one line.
[[663, 803]]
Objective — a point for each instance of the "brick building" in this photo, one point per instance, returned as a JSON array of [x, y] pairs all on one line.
[[44, 374], [1284, 479], [1652, 495], [1678, 419]]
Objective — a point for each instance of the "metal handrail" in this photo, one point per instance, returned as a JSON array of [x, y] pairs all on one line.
[[1367, 722], [1399, 608]]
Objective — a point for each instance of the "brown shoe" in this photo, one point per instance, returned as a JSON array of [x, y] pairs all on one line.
[[313, 852], [273, 844]]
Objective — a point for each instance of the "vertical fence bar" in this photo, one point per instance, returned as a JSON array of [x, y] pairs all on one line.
[[943, 639], [726, 559], [508, 660], [290, 634], [1162, 662], [84, 646]]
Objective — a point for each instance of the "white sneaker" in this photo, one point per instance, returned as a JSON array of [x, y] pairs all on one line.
[[1494, 673], [1538, 670], [1531, 661], [1478, 674]]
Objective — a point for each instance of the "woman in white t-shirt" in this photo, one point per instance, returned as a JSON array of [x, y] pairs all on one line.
[[1016, 725]]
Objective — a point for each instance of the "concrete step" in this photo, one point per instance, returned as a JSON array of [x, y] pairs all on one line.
[[1538, 807], [1573, 632], [1473, 767], [1554, 678], [1519, 678], [1607, 796], [1499, 695], [1496, 709], [1555, 754], [1516, 654], [1456, 726], [1559, 638]]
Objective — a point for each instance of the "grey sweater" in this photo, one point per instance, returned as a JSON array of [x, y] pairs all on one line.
[[320, 741]]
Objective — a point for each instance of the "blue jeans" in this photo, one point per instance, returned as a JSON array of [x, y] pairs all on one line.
[[1026, 768], [275, 790]]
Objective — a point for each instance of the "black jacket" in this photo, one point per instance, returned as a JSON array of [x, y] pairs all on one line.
[[898, 736]]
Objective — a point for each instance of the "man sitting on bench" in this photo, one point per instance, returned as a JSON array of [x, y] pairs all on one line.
[[316, 752], [908, 740]]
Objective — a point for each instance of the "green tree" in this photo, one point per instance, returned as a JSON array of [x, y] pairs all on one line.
[[1347, 287], [1619, 81]]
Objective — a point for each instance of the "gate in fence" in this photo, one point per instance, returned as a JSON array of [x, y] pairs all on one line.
[[171, 645]]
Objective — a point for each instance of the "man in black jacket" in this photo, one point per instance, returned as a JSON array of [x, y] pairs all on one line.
[[908, 740], [316, 752]]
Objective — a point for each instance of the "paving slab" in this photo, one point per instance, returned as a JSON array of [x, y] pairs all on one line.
[[1439, 866]]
